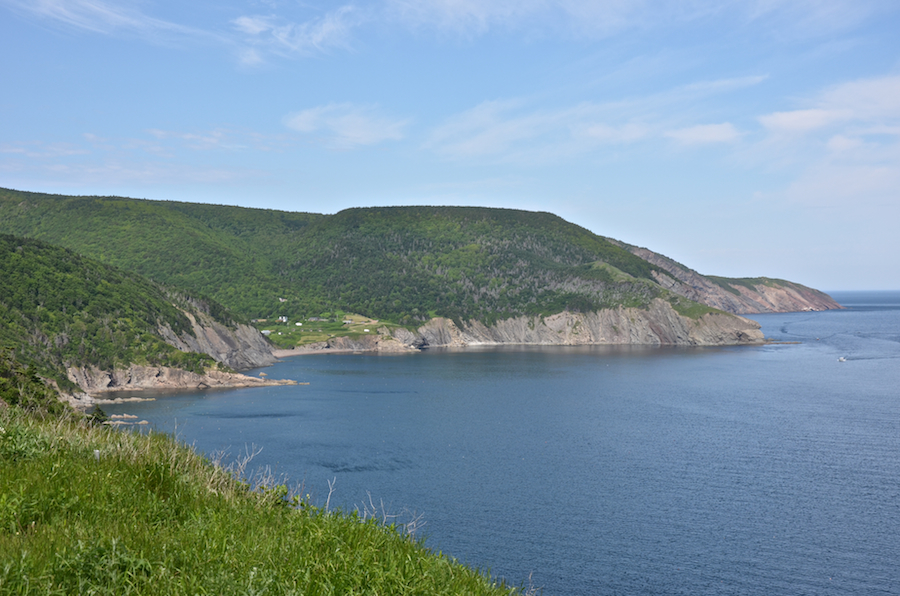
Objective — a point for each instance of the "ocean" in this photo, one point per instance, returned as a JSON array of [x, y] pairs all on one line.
[[769, 469]]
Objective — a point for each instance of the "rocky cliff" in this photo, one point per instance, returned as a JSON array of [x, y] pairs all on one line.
[[658, 325], [239, 347], [94, 381], [738, 296]]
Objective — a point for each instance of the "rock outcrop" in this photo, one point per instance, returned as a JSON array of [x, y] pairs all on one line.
[[240, 347], [93, 381], [383, 341], [748, 296], [658, 325]]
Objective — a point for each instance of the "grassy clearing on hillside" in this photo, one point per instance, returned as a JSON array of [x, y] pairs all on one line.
[[287, 335], [690, 309], [91, 510]]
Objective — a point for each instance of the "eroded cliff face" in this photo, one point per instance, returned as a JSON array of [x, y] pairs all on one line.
[[94, 381], [383, 341], [240, 348], [658, 325], [775, 296]]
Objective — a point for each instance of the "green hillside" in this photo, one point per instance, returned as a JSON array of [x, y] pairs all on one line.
[[223, 252], [21, 386], [402, 264], [60, 309], [87, 509]]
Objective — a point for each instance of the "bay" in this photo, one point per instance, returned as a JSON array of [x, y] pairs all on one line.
[[605, 470]]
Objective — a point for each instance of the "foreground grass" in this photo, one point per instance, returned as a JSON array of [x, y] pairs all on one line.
[[90, 510]]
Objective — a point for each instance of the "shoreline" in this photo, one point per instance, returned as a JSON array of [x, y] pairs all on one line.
[[99, 386], [282, 353]]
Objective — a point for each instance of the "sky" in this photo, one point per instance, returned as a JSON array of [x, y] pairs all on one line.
[[741, 138]]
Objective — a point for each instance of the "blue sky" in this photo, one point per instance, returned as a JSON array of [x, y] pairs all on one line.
[[742, 138]]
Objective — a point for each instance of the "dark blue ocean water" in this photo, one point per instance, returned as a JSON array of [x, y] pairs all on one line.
[[739, 470]]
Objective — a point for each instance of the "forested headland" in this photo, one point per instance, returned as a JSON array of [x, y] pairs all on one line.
[[405, 265]]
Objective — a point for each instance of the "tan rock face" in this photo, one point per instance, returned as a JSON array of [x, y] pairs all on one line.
[[659, 325], [781, 296], [239, 348], [382, 342], [94, 381]]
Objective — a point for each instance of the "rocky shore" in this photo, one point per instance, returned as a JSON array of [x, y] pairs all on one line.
[[95, 382], [659, 325], [237, 347]]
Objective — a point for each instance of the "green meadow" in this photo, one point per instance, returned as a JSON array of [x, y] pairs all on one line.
[[87, 509]]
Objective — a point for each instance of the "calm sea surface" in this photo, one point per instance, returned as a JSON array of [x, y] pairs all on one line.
[[740, 470]]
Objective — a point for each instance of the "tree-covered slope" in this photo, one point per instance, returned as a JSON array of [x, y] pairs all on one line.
[[402, 264], [20, 386], [223, 252], [59, 309], [410, 263]]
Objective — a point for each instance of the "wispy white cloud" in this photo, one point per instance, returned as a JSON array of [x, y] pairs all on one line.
[[812, 17], [110, 173], [503, 130], [841, 144], [593, 18], [871, 102], [170, 142], [346, 125], [585, 16], [875, 99], [107, 163], [844, 144], [40, 150], [623, 133], [214, 139], [801, 121], [511, 131], [704, 134], [253, 37], [109, 17], [265, 34], [872, 188], [474, 16]]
